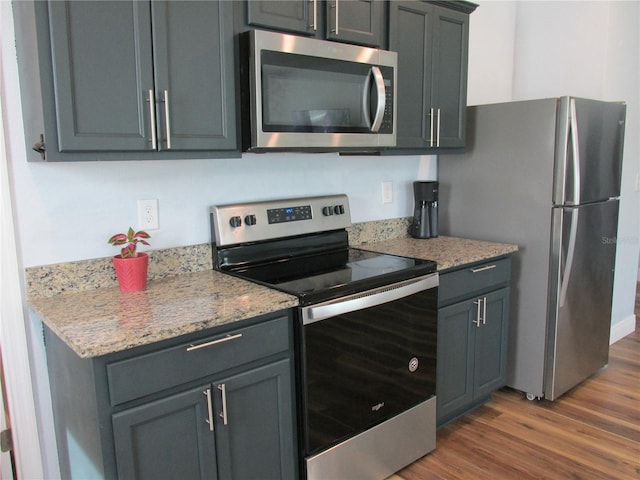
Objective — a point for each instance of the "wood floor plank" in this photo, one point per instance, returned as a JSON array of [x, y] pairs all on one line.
[[591, 432], [595, 450]]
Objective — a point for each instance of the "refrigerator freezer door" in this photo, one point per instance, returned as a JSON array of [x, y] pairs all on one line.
[[590, 138], [581, 286]]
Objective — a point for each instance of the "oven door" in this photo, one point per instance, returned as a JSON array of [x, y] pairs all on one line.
[[367, 358]]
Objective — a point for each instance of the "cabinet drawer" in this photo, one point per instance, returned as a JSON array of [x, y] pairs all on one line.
[[471, 280], [139, 376]]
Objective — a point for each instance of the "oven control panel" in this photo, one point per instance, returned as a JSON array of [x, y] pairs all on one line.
[[250, 222], [289, 214]]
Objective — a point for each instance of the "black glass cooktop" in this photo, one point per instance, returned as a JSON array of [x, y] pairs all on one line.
[[320, 277]]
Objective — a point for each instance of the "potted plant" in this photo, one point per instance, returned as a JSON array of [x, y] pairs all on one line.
[[131, 265]]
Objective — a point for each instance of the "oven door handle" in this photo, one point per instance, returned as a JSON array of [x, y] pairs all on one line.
[[370, 298]]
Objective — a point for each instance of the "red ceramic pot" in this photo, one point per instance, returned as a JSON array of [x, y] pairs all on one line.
[[132, 272]]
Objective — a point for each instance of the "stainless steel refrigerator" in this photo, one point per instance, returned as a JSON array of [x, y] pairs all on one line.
[[545, 175]]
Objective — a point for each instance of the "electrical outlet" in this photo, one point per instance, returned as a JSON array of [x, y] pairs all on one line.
[[387, 192], [148, 214]]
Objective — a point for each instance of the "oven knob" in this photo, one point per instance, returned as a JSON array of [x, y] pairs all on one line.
[[250, 220], [339, 209], [235, 222], [327, 211]]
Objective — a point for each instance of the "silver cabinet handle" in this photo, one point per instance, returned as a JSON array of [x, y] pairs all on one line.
[[478, 320], [483, 269], [314, 23], [382, 98], [336, 6], [167, 124], [484, 310], [223, 388], [438, 136], [228, 338], [207, 392], [431, 127], [152, 119]]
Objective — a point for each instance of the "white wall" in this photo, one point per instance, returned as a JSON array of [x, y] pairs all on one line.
[[68, 211], [521, 50]]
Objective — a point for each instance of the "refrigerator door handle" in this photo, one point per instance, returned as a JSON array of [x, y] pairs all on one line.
[[575, 148], [565, 273]]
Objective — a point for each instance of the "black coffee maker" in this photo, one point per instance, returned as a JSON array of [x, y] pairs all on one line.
[[425, 214]]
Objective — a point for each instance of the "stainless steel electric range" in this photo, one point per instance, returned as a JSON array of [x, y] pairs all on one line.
[[366, 332]]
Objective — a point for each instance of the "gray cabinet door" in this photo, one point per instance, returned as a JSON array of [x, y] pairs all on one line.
[[194, 82], [490, 365], [298, 16], [166, 439], [102, 74], [410, 34], [254, 414], [432, 45], [472, 352], [353, 21], [454, 377], [449, 75], [356, 21]]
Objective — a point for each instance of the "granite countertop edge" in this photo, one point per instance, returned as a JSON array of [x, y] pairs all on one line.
[[103, 320]]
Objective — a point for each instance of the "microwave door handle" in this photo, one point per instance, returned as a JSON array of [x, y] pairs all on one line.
[[382, 98], [366, 100]]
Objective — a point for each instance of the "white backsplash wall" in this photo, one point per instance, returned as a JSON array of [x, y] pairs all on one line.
[[67, 211]]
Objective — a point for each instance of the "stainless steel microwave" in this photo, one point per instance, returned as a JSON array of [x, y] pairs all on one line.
[[313, 95]]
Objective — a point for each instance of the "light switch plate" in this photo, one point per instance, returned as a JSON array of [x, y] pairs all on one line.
[[387, 192]]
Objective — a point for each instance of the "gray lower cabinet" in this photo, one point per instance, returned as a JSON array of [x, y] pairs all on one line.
[[214, 405], [473, 319], [432, 44], [137, 79], [360, 22]]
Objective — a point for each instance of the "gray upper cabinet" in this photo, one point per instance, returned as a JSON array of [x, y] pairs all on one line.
[[432, 45], [133, 79], [360, 22], [102, 64], [356, 21]]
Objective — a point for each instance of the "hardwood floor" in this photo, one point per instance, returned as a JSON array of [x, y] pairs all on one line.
[[591, 432]]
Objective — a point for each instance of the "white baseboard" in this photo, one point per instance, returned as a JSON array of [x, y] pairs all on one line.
[[622, 329]]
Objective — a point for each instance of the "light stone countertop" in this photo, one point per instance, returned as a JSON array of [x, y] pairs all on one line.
[[447, 252], [104, 320], [81, 303]]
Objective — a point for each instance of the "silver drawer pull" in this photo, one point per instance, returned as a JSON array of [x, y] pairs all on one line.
[[191, 348], [482, 269]]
